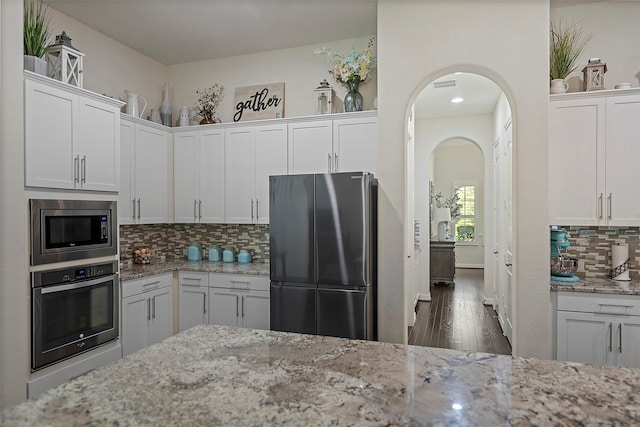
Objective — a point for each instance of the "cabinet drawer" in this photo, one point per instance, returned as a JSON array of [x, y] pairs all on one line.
[[238, 281], [599, 303], [193, 278], [138, 286]]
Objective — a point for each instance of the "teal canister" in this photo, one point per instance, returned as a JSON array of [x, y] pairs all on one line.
[[194, 253], [244, 257], [229, 254], [215, 254]]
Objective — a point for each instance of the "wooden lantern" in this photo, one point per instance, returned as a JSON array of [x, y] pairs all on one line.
[[64, 62], [324, 98], [594, 76]]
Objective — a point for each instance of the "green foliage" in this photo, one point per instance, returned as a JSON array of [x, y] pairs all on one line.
[[453, 203], [566, 45], [36, 28]]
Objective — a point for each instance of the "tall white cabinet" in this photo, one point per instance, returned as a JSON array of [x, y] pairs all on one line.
[[592, 153], [72, 138]]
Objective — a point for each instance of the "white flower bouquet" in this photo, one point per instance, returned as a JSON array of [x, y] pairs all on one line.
[[354, 66], [208, 100]]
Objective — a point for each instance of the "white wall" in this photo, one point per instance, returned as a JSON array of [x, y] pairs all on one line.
[[615, 32], [460, 161], [299, 68], [111, 67], [14, 259], [431, 132], [508, 43]]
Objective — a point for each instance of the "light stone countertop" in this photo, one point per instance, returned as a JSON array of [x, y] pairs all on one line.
[[214, 375], [599, 286], [137, 271]]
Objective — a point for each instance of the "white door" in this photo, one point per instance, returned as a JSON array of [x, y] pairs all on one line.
[[186, 157], [224, 307], [584, 337], [151, 175], [509, 291], [311, 147], [239, 173], [355, 145], [194, 308], [627, 342], [126, 200], [136, 317], [162, 314], [270, 159], [497, 229], [211, 203], [622, 204], [98, 145], [256, 310]]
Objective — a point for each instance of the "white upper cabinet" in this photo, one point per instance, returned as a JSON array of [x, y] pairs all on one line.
[[144, 198], [311, 147], [72, 137], [592, 148], [355, 145], [199, 173]]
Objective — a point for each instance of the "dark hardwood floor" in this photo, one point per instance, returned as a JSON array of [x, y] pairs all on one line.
[[455, 318]]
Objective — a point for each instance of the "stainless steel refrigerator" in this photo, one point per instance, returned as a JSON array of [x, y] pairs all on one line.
[[323, 254]]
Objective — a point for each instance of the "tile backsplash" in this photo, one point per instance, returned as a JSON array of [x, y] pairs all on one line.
[[592, 246], [171, 240]]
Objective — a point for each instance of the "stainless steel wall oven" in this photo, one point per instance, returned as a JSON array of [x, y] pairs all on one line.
[[74, 309], [65, 230]]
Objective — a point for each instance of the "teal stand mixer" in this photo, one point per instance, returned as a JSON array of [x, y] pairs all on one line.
[[562, 266]]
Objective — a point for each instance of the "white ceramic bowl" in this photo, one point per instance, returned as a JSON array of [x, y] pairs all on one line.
[[623, 86]]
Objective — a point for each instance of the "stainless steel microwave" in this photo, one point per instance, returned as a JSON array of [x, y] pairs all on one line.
[[65, 230]]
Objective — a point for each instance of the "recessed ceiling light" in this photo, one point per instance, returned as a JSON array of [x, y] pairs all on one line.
[[457, 99]]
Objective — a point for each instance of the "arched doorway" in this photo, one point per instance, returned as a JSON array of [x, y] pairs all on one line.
[[482, 118]]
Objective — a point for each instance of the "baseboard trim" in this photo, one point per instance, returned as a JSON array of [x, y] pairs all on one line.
[[487, 301], [424, 297]]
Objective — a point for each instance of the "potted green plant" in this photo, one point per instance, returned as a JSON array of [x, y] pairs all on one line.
[[36, 36], [566, 45]]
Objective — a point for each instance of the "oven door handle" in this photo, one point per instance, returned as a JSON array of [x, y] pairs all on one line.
[[77, 285]]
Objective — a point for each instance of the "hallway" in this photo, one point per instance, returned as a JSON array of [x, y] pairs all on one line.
[[456, 318]]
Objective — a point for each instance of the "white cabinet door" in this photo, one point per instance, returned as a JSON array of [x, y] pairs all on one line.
[[49, 137], [161, 314], [224, 307], [186, 178], [193, 299], [310, 147], [355, 145], [98, 145], [622, 207], [270, 155], [584, 337], [576, 162], [255, 312], [126, 199], [211, 204], [151, 174], [136, 315], [240, 181], [628, 342]]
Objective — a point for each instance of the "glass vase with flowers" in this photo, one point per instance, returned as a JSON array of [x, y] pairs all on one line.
[[207, 102]]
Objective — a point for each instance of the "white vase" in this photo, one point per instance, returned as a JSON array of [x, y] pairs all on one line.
[[184, 119], [35, 64], [165, 107], [559, 86]]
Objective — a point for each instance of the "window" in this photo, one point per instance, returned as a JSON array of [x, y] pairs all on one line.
[[466, 224]]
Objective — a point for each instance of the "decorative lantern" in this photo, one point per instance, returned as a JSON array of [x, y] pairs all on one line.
[[594, 75], [64, 62], [324, 98]]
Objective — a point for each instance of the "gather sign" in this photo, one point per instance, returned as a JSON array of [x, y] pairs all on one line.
[[259, 102]]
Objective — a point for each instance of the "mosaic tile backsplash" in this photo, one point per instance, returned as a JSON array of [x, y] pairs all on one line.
[[171, 240], [592, 246]]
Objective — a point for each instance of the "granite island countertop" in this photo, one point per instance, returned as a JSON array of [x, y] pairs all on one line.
[[599, 286], [137, 271], [215, 375]]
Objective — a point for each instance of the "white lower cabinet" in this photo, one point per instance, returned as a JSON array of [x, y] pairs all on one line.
[[239, 300], [193, 299], [599, 329], [147, 311]]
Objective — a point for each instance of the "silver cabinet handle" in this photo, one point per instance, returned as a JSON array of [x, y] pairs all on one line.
[[336, 169], [600, 205], [609, 206], [508, 264], [138, 208], [610, 337], [153, 316], [76, 169], [148, 308], [620, 338], [242, 305], [204, 303], [257, 210], [134, 208], [329, 162], [195, 204], [200, 209], [237, 312], [251, 210], [83, 162]]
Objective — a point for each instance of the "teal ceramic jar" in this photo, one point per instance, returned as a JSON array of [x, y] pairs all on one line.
[[244, 257]]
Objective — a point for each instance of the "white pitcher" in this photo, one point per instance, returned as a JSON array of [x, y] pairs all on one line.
[[132, 104]]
